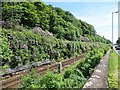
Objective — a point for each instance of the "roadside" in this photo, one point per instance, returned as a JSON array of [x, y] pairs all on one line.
[[113, 70], [119, 72], [117, 51]]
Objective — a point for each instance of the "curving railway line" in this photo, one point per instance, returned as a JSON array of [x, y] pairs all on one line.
[[15, 80]]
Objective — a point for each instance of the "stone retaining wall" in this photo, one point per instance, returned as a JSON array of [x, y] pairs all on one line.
[[99, 78]]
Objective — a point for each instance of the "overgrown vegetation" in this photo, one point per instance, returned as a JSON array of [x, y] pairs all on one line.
[[22, 44], [34, 32], [118, 41], [113, 70], [28, 47], [62, 24], [72, 78]]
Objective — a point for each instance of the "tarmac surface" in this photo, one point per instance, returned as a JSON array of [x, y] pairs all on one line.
[[118, 51]]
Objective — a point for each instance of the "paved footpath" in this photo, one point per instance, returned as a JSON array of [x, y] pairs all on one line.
[[99, 77]]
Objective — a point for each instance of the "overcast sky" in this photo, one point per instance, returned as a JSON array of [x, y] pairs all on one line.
[[95, 12]]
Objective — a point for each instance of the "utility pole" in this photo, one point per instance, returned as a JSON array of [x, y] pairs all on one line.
[[119, 19], [112, 29], [118, 37], [112, 26]]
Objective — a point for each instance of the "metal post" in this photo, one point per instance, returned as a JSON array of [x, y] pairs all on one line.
[[112, 30], [118, 19], [112, 26], [118, 37]]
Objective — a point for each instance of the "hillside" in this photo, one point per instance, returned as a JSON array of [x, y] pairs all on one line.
[[53, 19], [33, 32]]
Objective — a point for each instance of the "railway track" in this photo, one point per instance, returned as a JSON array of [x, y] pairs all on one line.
[[15, 80]]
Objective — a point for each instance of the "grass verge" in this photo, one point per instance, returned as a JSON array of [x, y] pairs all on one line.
[[113, 70], [119, 72]]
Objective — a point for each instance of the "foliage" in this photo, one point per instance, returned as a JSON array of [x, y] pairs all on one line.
[[27, 46], [92, 60], [20, 45], [51, 80], [53, 19], [113, 70], [74, 77], [118, 41], [31, 80], [5, 52]]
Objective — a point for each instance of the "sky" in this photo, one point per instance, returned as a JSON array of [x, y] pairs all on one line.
[[95, 12]]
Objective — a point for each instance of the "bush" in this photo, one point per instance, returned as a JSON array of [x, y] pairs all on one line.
[[27, 46], [67, 74], [72, 78], [92, 60], [31, 80], [51, 80], [5, 52]]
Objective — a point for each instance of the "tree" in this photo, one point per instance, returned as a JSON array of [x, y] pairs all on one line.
[[118, 41], [53, 19]]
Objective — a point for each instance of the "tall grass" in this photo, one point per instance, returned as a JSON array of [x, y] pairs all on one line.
[[113, 70]]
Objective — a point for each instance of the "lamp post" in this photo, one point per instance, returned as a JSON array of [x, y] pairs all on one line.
[[112, 26], [119, 36]]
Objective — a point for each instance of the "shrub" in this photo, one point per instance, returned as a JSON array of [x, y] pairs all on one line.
[[67, 74], [72, 78], [51, 80], [31, 80]]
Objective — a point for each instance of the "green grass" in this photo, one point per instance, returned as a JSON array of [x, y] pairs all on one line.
[[119, 72], [113, 70]]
